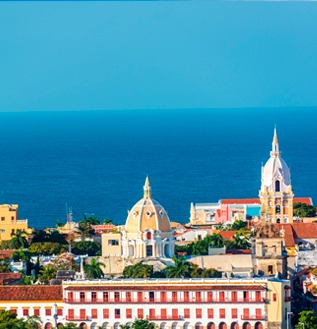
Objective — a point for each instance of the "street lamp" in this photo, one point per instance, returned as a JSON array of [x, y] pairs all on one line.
[[302, 324], [287, 316], [56, 315]]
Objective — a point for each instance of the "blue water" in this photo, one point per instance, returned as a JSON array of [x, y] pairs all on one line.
[[97, 161]]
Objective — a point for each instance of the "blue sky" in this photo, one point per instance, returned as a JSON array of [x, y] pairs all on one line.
[[127, 55]]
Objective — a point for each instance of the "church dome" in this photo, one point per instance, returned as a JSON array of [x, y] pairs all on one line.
[[275, 168], [147, 214]]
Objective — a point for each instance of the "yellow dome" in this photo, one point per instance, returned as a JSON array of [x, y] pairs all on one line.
[[147, 214]]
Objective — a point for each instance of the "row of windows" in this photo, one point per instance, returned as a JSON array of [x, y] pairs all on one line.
[[36, 311], [163, 313], [174, 296]]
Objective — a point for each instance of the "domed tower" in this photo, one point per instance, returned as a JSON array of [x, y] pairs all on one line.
[[276, 193], [147, 232]]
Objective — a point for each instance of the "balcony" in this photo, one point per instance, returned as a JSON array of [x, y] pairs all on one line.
[[253, 317], [166, 301], [78, 318], [288, 299], [165, 318]]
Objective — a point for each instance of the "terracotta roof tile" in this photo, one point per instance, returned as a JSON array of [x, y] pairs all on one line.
[[227, 235], [6, 253], [7, 278], [306, 200], [288, 235], [305, 230], [35, 292]]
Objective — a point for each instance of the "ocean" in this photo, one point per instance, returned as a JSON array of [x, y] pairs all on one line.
[[97, 161]]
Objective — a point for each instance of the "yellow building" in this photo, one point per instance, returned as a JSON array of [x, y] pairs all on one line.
[[276, 193], [9, 222]]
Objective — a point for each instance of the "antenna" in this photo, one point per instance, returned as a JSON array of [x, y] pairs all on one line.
[[69, 215]]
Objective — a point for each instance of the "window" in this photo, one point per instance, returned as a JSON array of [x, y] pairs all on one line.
[[140, 313], [60, 311], [128, 296], [82, 314], [48, 311], [270, 269], [174, 313], [274, 298], [116, 296], [151, 296], [70, 296], [94, 313], [82, 297], [277, 186], [106, 313], [198, 313], [140, 296], [163, 313], [246, 314], [163, 296], [106, 296], [221, 296], [37, 311], [198, 296], [2, 218], [12, 218], [174, 296], [14, 310], [148, 236], [149, 251], [152, 313], [93, 296], [245, 296], [129, 313], [234, 313], [25, 312], [186, 313], [113, 242], [209, 296], [210, 313], [278, 209], [234, 297], [186, 296], [12, 231], [258, 296], [222, 313], [117, 313], [71, 313], [258, 314]]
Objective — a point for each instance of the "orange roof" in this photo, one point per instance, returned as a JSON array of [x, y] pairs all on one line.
[[36, 292], [305, 230], [288, 235], [241, 201], [8, 278], [306, 200], [6, 253], [227, 235]]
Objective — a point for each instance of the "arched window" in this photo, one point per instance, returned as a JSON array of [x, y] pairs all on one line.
[[148, 235], [278, 220], [278, 209], [277, 186]]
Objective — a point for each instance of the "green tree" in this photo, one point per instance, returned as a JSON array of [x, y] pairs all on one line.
[[32, 322], [107, 221], [238, 225], [5, 265], [240, 241], [216, 240], [303, 210], [180, 269], [143, 324], [91, 248], [27, 280], [308, 318], [85, 230], [47, 273], [18, 239], [138, 270], [47, 248], [9, 320], [94, 269]]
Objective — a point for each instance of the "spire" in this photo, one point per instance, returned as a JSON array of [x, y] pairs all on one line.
[[147, 188], [275, 149]]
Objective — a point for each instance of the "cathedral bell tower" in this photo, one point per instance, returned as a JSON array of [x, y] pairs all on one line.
[[276, 193]]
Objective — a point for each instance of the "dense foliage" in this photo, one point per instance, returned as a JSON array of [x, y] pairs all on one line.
[[9, 320], [93, 270], [91, 248], [47, 248], [303, 210], [308, 318]]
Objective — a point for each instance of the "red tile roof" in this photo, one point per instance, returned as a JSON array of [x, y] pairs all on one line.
[[288, 235], [6, 253], [8, 278], [306, 200], [36, 292], [227, 235], [241, 201], [239, 252], [305, 230]]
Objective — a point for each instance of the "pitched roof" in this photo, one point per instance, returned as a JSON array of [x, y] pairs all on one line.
[[8, 278], [227, 235], [305, 230], [306, 200], [288, 235], [6, 253], [36, 292]]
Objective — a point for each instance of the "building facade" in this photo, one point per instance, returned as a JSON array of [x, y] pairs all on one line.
[[9, 222], [169, 303]]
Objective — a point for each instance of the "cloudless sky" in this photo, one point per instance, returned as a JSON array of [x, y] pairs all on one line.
[[127, 55]]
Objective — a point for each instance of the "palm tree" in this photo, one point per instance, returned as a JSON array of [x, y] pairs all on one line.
[[216, 240], [47, 274], [240, 241], [93, 270], [210, 273], [85, 230], [181, 268], [19, 239]]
